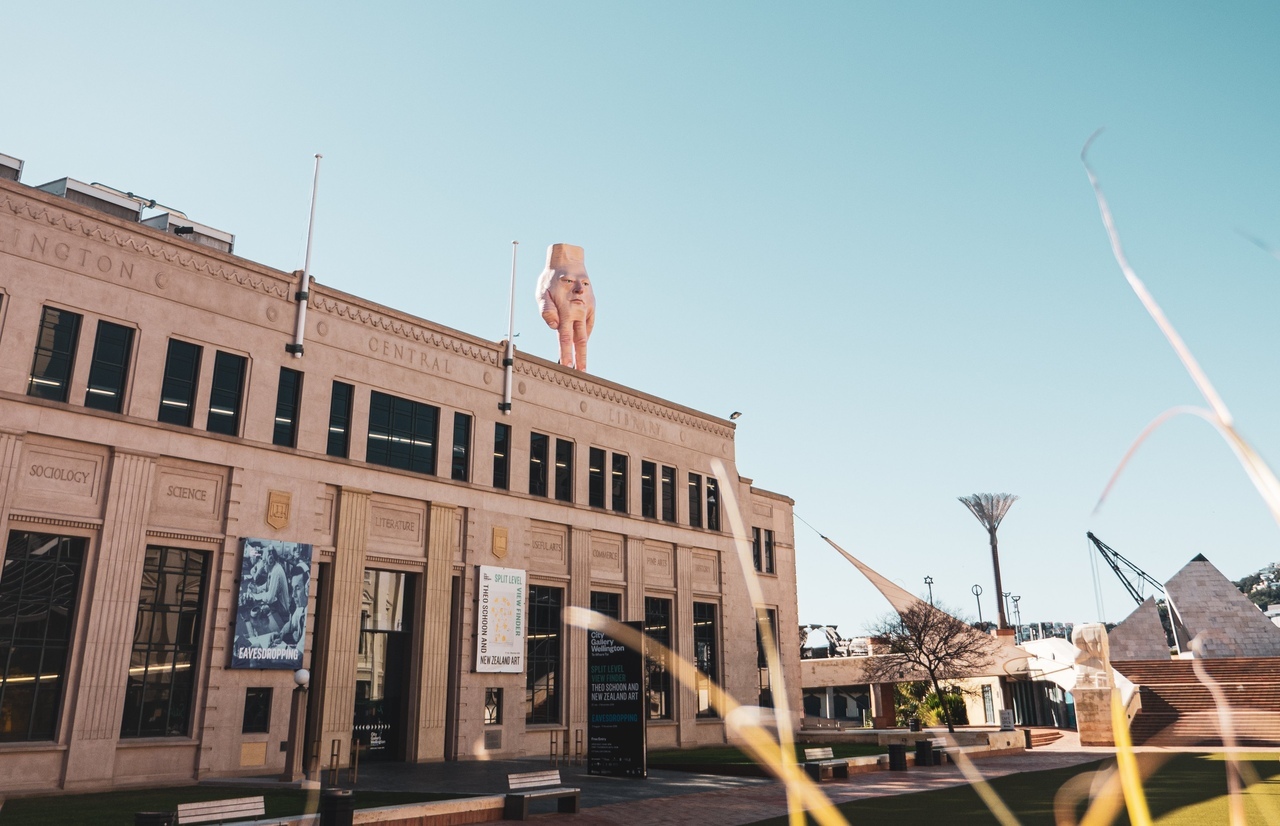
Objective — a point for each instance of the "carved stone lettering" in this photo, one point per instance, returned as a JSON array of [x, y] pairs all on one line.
[[410, 355], [395, 523], [658, 568], [63, 473], [630, 421], [41, 247], [706, 571], [547, 545], [187, 494], [606, 557]]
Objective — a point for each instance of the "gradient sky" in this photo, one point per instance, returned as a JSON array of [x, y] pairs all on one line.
[[866, 226]]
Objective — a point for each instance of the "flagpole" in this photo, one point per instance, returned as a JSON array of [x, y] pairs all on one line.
[[509, 358]]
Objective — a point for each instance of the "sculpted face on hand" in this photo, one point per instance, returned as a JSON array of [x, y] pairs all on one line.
[[567, 302]]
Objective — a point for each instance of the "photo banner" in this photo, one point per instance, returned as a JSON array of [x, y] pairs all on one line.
[[615, 707], [500, 620], [271, 617]]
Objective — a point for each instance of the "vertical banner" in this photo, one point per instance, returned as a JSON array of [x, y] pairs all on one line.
[[271, 618], [615, 707], [500, 620]]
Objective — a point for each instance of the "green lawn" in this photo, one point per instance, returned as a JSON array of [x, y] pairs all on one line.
[[1187, 790], [117, 808], [724, 755]]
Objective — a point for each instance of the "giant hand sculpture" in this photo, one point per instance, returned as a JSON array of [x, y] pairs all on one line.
[[567, 302]]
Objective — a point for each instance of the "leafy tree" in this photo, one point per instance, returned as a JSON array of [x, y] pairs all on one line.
[[924, 638]]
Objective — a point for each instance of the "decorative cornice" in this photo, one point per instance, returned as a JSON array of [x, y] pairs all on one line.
[[56, 522], [395, 326], [203, 538], [171, 256], [382, 559]]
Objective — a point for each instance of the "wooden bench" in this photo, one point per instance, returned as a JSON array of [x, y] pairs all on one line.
[[821, 765], [211, 811], [529, 786]]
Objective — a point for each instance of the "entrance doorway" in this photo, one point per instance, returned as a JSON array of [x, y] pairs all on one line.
[[383, 665]]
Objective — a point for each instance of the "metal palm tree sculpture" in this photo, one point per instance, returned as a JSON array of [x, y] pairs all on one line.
[[990, 509]]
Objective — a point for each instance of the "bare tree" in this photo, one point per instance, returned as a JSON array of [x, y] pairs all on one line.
[[929, 639], [990, 509]]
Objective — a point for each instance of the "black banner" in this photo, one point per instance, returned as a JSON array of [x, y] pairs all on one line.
[[615, 707]]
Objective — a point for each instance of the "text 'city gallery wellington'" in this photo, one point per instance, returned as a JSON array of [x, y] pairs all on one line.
[[213, 475]]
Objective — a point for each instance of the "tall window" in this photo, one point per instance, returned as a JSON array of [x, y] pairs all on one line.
[[538, 464], [607, 603], [461, 467], [178, 391], [695, 500], [713, 504], [657, 626], [705, 654], [288, 392], [668, 494], [402, 433], [55, 355], [762, 550], [648, 490], [340, 420], [762, 662], [38, 585], [542, 657], [564, 470], [619, 482], [112, 346], [225, 396], [501, 455], [595, 478], [166, 636]]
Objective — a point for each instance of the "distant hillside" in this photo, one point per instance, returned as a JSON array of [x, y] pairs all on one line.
[[1263, 587]]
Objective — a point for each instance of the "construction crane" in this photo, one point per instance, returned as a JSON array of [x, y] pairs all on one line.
[[1115, 560]]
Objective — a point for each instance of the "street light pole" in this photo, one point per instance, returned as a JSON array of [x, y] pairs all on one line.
[[929, 582], [977, 596], [295, 749]]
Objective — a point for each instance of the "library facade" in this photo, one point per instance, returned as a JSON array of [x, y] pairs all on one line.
[[199, 503]]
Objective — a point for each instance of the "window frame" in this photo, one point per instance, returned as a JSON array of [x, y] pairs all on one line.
[[52, 380], [397, 424], [597, 490], [563, 470], [502, 459], [460, 457], [284, 432], [338, 435], [544, 644], [539, 459], [226, 393], [709, 675], [658, 685], [695, 500], [619, 471], [648, 489], [178, 392], [668, 498], [97, 384]]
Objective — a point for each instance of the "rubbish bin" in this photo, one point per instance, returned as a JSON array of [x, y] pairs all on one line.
[[924, 752], [153, 819], [897, 757], [913, 724], [337, 807]]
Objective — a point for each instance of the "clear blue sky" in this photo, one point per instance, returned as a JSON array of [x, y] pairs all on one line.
[[864, 225]]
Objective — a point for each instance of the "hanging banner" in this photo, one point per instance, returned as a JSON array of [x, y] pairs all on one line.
[[615, 707], [271, 619], [500, 620]]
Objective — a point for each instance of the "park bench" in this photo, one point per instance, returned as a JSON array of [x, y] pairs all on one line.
[[821, 764], [529, 786], [218, 811]]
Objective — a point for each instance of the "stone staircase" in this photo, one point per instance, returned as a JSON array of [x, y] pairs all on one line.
[[1179, 710], [1041, 737]]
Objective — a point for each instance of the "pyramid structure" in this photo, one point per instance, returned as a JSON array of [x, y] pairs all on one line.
[[1140, 636], [1203, 603]]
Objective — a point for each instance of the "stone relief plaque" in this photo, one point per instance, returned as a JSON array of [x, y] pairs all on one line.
[[499, 545], [546, 542], [278, 506], [187, 497], [762, 509], [52, 471], [606, 556], [396, 523], [658, 567], [706, 571]]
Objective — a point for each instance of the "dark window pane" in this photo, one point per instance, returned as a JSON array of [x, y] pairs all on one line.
[[609, 604], [110, 367], [564, 470], [648, 490], [705, 654], [257, 711], [713, 503], [461, 467], [657, 627], [595, 478], [178, 392], [668, 494], [493, 706], [161, 683], [756, 549], [55, 355], [224, 396], [542, 658], [38, 586], [768, 552], [501, 455], [537, 464], [695, 500], [288, 393], [402, 433], [619, 480], [762, 664], [339, 420]]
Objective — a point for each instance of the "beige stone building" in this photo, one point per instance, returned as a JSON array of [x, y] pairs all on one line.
[[154, 416]]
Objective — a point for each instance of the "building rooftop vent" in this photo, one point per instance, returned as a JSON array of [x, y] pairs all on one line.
[[10, 168], [95, 197], [183, 227]]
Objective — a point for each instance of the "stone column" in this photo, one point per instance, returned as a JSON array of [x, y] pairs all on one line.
[[111, 611], [433, 680], [342, 625], [633, 610], [682, 642], [575, 649], [10, 452]]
